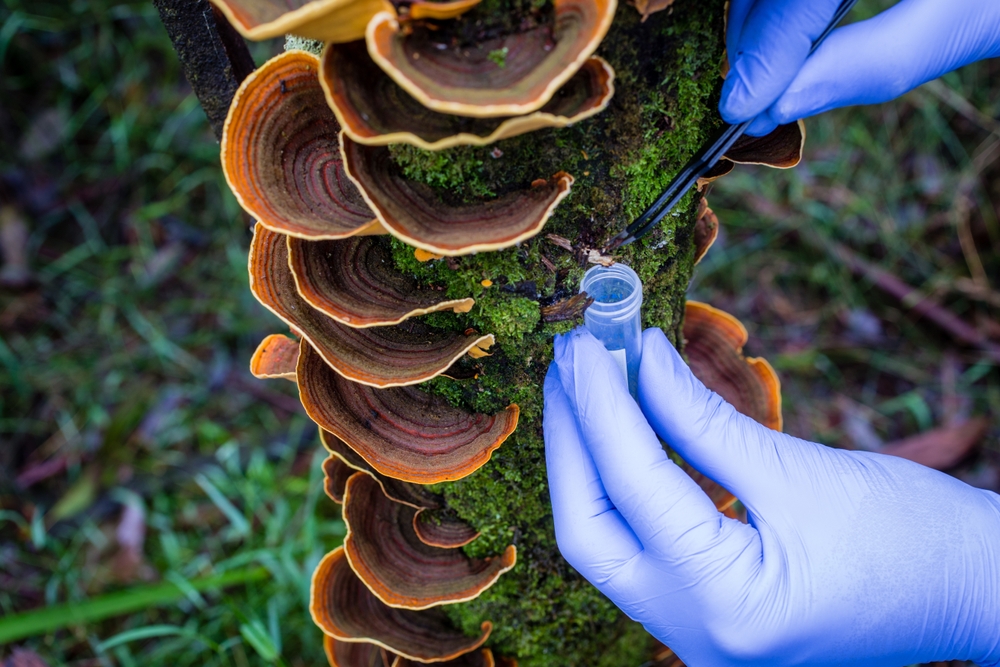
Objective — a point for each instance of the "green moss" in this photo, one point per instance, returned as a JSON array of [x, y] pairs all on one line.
[[543, 612], [455, 171]]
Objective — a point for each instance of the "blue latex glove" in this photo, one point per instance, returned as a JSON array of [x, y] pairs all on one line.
[[850, 558], [864, 63]]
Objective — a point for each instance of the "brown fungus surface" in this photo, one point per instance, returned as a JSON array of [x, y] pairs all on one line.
[[375, 111], [355, 282], [356, 654], [391, 356], [323, 20], [275, 357], [416, 214], [414, 495], [439, 529], [388, 556], [466, 81], [401, 432], [706, 230], [483, 658], [346, 610], [781, 149], [281, 157], [336, 472]]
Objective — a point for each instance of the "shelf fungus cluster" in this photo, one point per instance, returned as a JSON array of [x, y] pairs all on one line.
[[312, 150], [362, 350]]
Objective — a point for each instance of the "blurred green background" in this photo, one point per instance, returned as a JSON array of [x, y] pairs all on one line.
[[146, 478]]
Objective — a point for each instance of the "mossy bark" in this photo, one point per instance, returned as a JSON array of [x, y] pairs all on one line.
[[667, 84]]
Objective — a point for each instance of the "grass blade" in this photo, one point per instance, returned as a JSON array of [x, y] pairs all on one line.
[[40, 621]]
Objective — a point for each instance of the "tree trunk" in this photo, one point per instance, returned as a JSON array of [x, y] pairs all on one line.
[[667, 82]]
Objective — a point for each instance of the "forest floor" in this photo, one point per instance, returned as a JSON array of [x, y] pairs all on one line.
[[146, 478]]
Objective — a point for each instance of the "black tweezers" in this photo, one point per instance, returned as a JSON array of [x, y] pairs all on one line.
[[703, 161]]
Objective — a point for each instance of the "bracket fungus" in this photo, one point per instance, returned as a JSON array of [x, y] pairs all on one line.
[[414, 495], [483, 658], [323, 20], [355, 282], [375, 111], [706, 230], [437, 529], [389, 356], [385, 552], [281, 158], [275, 357], [343, 607], [467, 82], [355, 654], [336, 472], [414, 213], [781, 149], [714, 343], [360, 654], [401, 432]]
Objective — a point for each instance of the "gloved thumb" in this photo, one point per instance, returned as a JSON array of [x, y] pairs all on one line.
[[742, 455]]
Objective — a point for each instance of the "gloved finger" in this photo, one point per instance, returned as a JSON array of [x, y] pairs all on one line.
[[880, 59], [732, 449], [664, 507], [736, 18], [772, 45], [591, 534], [762, 125]]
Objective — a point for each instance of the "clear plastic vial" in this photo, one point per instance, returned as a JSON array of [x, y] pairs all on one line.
[[614, 318]]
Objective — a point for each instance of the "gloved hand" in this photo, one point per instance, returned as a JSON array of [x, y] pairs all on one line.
[[850, 558], [863, 63]]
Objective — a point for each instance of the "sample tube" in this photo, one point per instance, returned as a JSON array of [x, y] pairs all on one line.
[[614, 319]]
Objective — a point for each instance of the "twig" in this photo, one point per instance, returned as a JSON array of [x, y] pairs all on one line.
[[910, 297]]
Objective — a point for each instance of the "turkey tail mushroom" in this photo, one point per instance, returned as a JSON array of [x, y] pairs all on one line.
[[467, 82], [323, 20], [414, 213], [401, 432], [386, 553], [375, 111], [281, 157], [388, 356], [343, 607]]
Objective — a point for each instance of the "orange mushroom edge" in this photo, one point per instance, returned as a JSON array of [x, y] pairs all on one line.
[[414, 495], [374, 110], [714, 343], [281, 158], [386, 356], [275, 357], [385, 552], [401, 432], [343, 607], [414, 213], [323, 20], [442, 529], [354, 281], [706, 230], [466, 82]]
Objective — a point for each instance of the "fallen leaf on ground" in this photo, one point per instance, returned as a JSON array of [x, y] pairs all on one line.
[[940, 448]]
